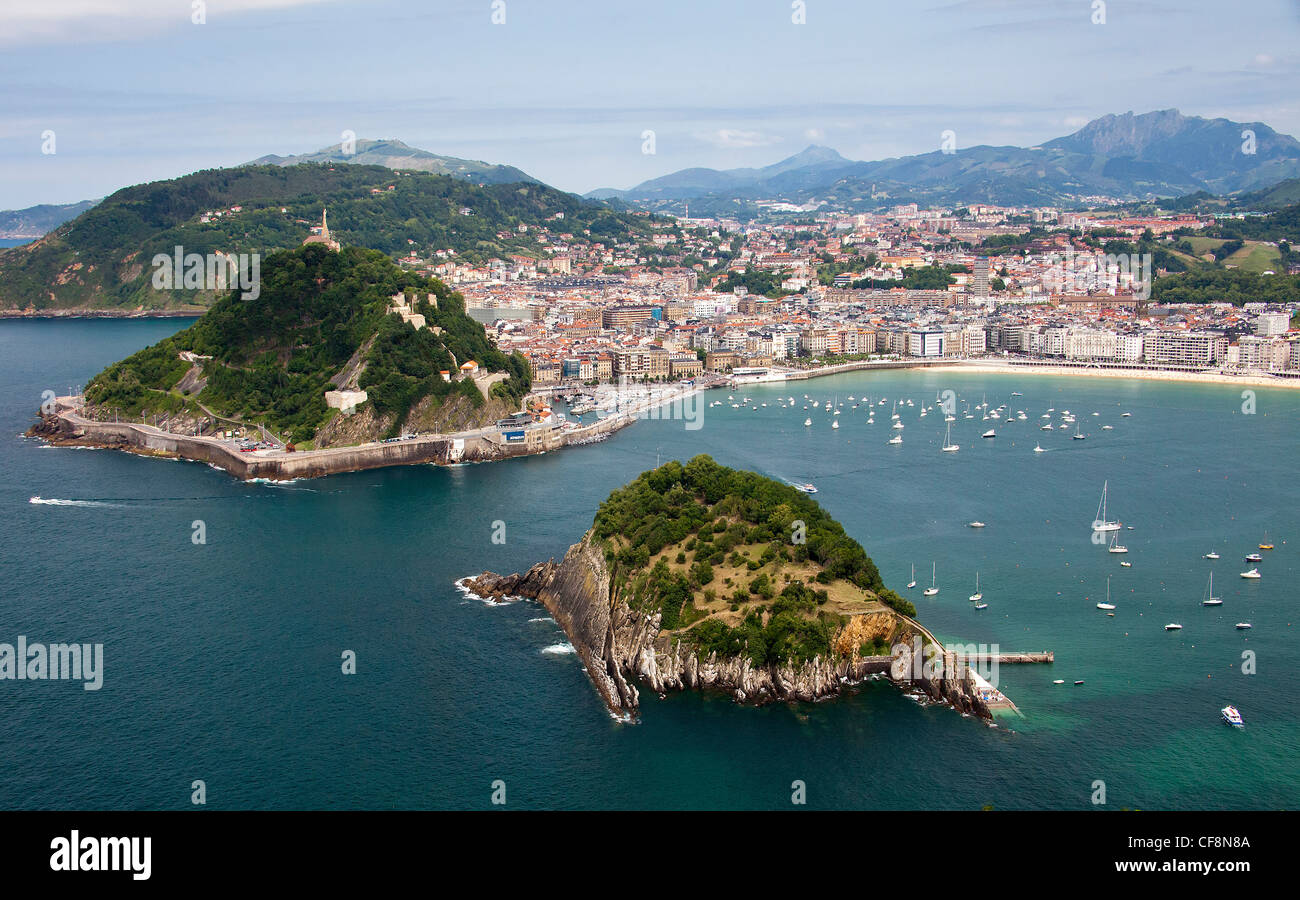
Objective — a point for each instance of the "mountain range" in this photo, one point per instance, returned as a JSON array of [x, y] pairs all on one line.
[[397, 155], [34, 221], [1126, 157]]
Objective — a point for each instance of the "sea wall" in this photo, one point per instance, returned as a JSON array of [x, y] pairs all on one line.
[[619, 646], [66, 428]]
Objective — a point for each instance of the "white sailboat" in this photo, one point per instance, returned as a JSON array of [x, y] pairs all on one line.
[[912, 583], [1107, 604], [1209, 598], [1116, 547], [948, 445], [977, 596], [1101, 523], [933, 588]]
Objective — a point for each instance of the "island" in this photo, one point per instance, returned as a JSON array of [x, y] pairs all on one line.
[[699, 576], [340, 361]]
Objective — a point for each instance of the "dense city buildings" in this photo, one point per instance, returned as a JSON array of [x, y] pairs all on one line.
[[705, 295]]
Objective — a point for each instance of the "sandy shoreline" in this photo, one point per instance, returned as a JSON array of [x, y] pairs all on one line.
[[994, 368]]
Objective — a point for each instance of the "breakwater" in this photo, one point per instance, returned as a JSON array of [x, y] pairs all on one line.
[[67, 427]]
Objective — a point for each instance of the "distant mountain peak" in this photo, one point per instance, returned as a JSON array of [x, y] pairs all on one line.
[[394, 154]]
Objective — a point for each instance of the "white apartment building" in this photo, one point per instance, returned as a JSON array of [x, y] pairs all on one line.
[[925, 343], [1268, 324], [1128, 347], [1090, 343], [1185, 348]]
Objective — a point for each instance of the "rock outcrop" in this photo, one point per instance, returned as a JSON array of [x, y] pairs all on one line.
[[619, 645]]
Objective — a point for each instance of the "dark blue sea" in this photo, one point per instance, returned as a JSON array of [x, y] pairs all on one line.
[[222, 661]]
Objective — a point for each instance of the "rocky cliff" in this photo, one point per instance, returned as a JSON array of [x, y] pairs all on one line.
[[619, 645]]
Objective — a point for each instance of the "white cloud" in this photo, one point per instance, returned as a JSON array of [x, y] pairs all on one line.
[[735, 139], [79, 21]]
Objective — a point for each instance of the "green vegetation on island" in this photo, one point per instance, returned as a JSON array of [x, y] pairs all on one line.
[[270, 360], [737, 563]]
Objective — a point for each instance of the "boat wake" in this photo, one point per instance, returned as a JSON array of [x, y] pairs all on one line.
[[563, 648], [54, 501]]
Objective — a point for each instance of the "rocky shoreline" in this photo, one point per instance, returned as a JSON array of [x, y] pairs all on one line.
[[621, 647]]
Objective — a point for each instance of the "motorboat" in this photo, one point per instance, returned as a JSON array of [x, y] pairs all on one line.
[[1251, 574], [1232, 716]]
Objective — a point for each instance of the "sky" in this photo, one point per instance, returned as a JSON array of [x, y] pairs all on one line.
[[140, 90]]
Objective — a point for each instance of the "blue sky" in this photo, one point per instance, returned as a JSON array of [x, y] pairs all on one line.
[[135, 91]]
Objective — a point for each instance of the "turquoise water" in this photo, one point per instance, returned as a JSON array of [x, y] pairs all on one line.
[[223, 659]]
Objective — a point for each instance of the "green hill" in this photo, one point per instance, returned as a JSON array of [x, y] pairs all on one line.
[[719, 554], [320, 315], [103, 258]]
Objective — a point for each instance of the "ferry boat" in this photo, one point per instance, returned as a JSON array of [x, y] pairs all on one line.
[[933, 588], [1173, 626], [1232, 716], [1101, 523], [1250, 573]]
